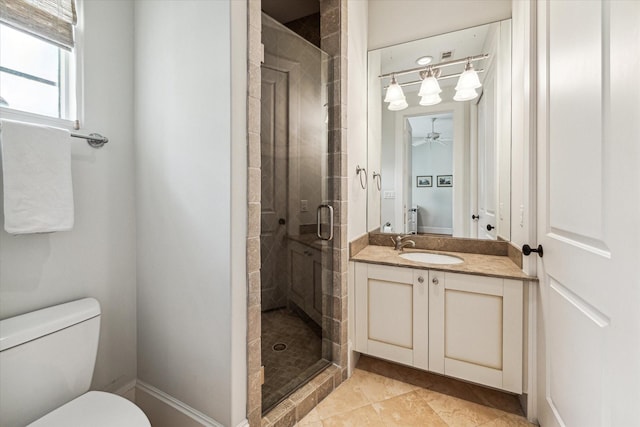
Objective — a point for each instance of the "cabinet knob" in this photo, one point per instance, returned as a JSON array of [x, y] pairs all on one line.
[[435, 281], [420, 279]]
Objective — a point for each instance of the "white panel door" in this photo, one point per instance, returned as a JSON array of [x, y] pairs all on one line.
[[487, 162], [588, 316], [274, 143]]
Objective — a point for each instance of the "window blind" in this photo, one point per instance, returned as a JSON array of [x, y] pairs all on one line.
[[51, 20]]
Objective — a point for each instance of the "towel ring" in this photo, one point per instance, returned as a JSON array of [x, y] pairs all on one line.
[[378, 180], [358, 172]]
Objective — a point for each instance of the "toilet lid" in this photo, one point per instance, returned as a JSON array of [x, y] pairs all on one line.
[[95, 409]]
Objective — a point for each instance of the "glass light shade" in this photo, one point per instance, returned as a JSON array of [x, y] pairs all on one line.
[[430, 99], [398, 105], [429, 86], [468, 79], [465, 95], [394, 92]]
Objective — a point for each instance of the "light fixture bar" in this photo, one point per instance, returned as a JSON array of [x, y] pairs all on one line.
[[448, 76], [436, 66]]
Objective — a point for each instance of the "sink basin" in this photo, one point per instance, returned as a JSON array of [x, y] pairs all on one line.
[[429, 258]]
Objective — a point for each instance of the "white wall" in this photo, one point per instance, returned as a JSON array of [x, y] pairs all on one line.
[[97, 258], [397, 21], [357, 13], [191, 304]]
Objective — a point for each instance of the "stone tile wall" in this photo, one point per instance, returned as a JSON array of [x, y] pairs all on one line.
[[254, 375]]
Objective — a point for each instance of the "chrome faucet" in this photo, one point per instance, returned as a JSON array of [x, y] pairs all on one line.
[[401, 242]]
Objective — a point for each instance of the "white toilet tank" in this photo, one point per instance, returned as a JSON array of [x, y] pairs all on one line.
[[46, 359]]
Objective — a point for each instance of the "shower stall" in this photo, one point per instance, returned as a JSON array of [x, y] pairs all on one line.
[[296, 239]]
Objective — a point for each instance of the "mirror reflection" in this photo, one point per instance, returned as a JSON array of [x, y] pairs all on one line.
[[440, 134]]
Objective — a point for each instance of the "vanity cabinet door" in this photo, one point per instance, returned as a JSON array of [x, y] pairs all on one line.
[[306, 280], [391, 312], [475, 329]]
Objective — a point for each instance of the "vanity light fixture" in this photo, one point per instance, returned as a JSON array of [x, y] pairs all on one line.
[[430, 100], [398, 105], [465, 95], [430, 90], [467, 84], [395, 96], [394, 92]]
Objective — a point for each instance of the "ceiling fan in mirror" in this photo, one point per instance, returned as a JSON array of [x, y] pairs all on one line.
[[433, 136]]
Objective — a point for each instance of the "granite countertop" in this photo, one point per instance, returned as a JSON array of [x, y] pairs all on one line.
[[478, 264]]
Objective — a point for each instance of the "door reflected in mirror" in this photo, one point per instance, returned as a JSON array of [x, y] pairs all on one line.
[[440, 142]]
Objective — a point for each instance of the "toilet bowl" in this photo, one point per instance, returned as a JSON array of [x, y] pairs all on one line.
[[95, 409], [46, 365]]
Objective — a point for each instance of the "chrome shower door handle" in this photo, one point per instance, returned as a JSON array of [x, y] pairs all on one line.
[[318, 221]]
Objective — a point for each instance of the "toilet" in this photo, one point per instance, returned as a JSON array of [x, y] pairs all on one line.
[[46, 365]]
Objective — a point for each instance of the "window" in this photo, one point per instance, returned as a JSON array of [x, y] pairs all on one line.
[[37, 64]]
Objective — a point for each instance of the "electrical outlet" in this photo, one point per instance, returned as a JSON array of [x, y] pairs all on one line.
[[304, 206]]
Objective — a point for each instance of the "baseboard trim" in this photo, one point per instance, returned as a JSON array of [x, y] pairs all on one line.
[[179, 406], [435, 230], [128, 390]]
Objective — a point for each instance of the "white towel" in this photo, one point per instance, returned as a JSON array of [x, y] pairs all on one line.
[[36, 167]]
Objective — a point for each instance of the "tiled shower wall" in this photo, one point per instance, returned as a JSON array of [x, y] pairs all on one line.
[[333, 33], [333, 41]]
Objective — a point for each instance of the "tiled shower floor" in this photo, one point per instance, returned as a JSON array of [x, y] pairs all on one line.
[[287, 369]]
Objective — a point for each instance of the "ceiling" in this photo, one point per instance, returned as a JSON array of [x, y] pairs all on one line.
[[285, 11], [421, 125]]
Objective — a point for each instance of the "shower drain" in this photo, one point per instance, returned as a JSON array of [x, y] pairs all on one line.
[[279, 347]]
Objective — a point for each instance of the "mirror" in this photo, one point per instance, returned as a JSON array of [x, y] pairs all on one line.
[[442, 168]]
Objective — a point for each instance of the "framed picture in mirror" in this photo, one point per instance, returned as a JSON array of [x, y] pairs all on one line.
[[445, 180], [424, 181]]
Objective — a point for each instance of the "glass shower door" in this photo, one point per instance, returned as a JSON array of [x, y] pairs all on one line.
[[296, 215]]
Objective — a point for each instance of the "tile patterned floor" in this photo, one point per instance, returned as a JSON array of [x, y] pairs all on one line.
[[285, 370], [370, 399]]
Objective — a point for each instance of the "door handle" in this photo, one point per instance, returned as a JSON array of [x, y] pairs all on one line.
[[318, 219], [526, 250]]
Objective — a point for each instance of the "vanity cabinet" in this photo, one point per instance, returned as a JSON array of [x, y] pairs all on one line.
[[475, 329], [391, 313], [306, 279], [459, 325]]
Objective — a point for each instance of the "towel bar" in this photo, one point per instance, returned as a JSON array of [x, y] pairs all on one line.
[[94, 139]]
